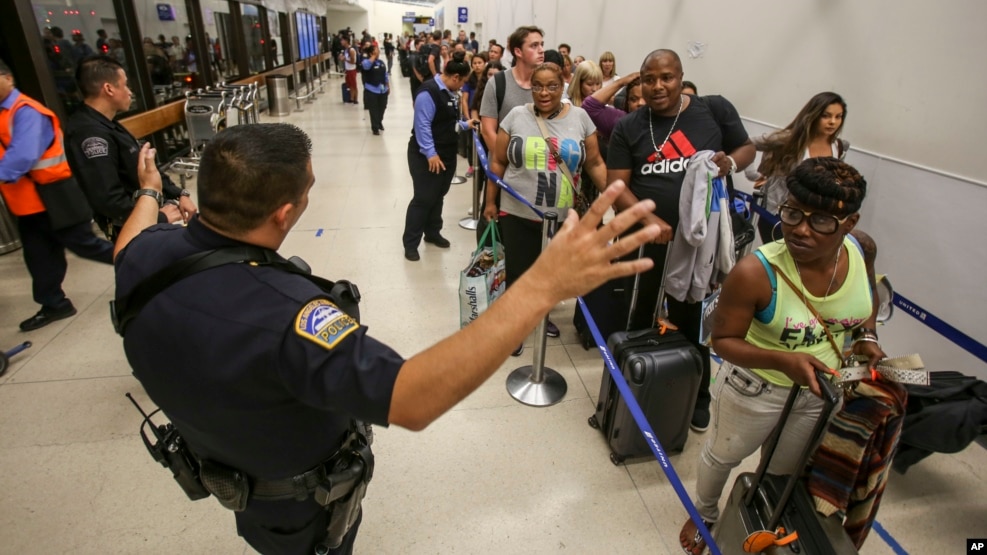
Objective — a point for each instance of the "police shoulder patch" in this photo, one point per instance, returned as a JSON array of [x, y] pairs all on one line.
[[95, 147], [322, 322]]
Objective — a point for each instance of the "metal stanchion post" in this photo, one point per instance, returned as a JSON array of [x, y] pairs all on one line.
[[318, 73], [471, 222], [308, 82], [298, 96], [536, 385]]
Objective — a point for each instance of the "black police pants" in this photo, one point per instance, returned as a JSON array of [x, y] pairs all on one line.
[[44, 255], [289, 527], [687, 316], [424, 215], [376, 104]]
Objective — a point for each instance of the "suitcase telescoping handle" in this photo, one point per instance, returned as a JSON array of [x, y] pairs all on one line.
[[637, 288], [830, 399]]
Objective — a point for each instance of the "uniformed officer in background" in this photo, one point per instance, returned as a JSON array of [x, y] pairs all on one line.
[[37, 186], [271, 370], [103, 154]]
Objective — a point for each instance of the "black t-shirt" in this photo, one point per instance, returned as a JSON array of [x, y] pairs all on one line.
[[436, 51], [707, 123]]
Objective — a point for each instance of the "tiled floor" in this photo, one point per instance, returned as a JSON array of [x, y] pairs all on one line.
[[492, 476]]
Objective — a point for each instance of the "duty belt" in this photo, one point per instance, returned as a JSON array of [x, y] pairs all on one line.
[[296, 487], [329, 481], [907, 369]]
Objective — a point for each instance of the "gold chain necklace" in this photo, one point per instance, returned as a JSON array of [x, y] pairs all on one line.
[[651, 128], [836, 267]]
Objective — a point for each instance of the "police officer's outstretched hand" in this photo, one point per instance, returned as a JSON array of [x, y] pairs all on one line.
[[435, 164], [581, 257]]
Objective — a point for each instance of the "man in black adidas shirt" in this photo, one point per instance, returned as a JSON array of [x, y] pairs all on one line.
[[650, 150]]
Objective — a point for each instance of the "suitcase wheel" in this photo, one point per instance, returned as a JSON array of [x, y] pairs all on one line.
[[616, 459], [587, 342], [593, 422]]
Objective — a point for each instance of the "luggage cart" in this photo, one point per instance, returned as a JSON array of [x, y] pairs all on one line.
[[205, 115]]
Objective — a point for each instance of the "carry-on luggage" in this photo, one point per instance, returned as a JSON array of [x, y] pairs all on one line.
[[346, 94], [606, 304], [663, 370], [761, 501]]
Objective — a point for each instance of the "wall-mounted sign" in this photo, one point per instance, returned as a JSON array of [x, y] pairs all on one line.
[[464, 15], [166, 12]]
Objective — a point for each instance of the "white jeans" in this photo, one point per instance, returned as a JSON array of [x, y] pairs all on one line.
[[745, 411]]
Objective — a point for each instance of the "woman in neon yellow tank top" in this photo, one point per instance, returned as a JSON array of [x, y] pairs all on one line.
[[769, 339]]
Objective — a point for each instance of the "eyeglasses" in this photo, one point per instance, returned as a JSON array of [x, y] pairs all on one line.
[[820, 222], [553, 88]]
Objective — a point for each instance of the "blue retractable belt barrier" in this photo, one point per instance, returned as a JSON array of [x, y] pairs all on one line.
[[649, 434]]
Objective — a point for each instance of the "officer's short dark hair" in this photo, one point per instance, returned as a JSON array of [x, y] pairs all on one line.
[[94, 71], [5, 69], [249, 171]]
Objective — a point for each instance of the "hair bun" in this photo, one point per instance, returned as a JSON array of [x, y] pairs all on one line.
[[459, 56]]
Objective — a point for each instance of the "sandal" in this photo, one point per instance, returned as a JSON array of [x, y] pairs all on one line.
[[691, 540]]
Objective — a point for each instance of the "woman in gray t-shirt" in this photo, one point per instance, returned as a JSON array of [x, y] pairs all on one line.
[[531, 163]]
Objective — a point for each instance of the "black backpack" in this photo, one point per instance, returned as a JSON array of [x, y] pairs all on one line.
[[420, 62]]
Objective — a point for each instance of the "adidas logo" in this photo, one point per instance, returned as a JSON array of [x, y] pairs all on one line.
[[675, 156], [666, 166]]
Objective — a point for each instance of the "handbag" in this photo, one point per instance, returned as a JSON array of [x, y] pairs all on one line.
[[580, 203], [484, 279]]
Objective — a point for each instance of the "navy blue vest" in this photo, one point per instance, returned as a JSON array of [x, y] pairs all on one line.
[[444, 123]]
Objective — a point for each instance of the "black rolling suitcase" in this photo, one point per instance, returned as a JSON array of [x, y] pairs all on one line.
[[346, 94], [762, 501], [663, 370], [607, 305]]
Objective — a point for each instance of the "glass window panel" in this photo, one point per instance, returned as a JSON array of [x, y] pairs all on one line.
[[70, 31], [167, 49], [250, 18], [219, 34], [274, 37]]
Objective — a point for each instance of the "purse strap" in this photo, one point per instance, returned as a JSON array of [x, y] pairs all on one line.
[[551, 148], [812, 309]]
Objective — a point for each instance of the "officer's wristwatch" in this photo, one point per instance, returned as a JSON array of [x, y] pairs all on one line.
[[151, 193], [185, 193]]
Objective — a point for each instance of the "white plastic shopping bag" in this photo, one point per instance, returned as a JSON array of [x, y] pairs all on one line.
[[483, 279]]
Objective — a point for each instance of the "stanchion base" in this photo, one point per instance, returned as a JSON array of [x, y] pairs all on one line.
[[458, 180], [551, 390], [468, 223]]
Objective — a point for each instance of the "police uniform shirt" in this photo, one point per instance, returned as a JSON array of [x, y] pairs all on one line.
[[254, 365], [103, 156]]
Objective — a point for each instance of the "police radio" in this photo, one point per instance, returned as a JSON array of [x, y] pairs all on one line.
[[172, 452]]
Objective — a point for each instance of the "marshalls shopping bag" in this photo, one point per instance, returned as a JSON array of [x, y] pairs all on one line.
[[482, 281]]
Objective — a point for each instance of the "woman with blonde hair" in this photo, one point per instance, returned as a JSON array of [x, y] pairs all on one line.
[[608, 65], [586, 80]]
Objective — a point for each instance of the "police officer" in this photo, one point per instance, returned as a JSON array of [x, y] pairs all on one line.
[[272, 370], [103, 154], [37, 186], [432, 154]]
